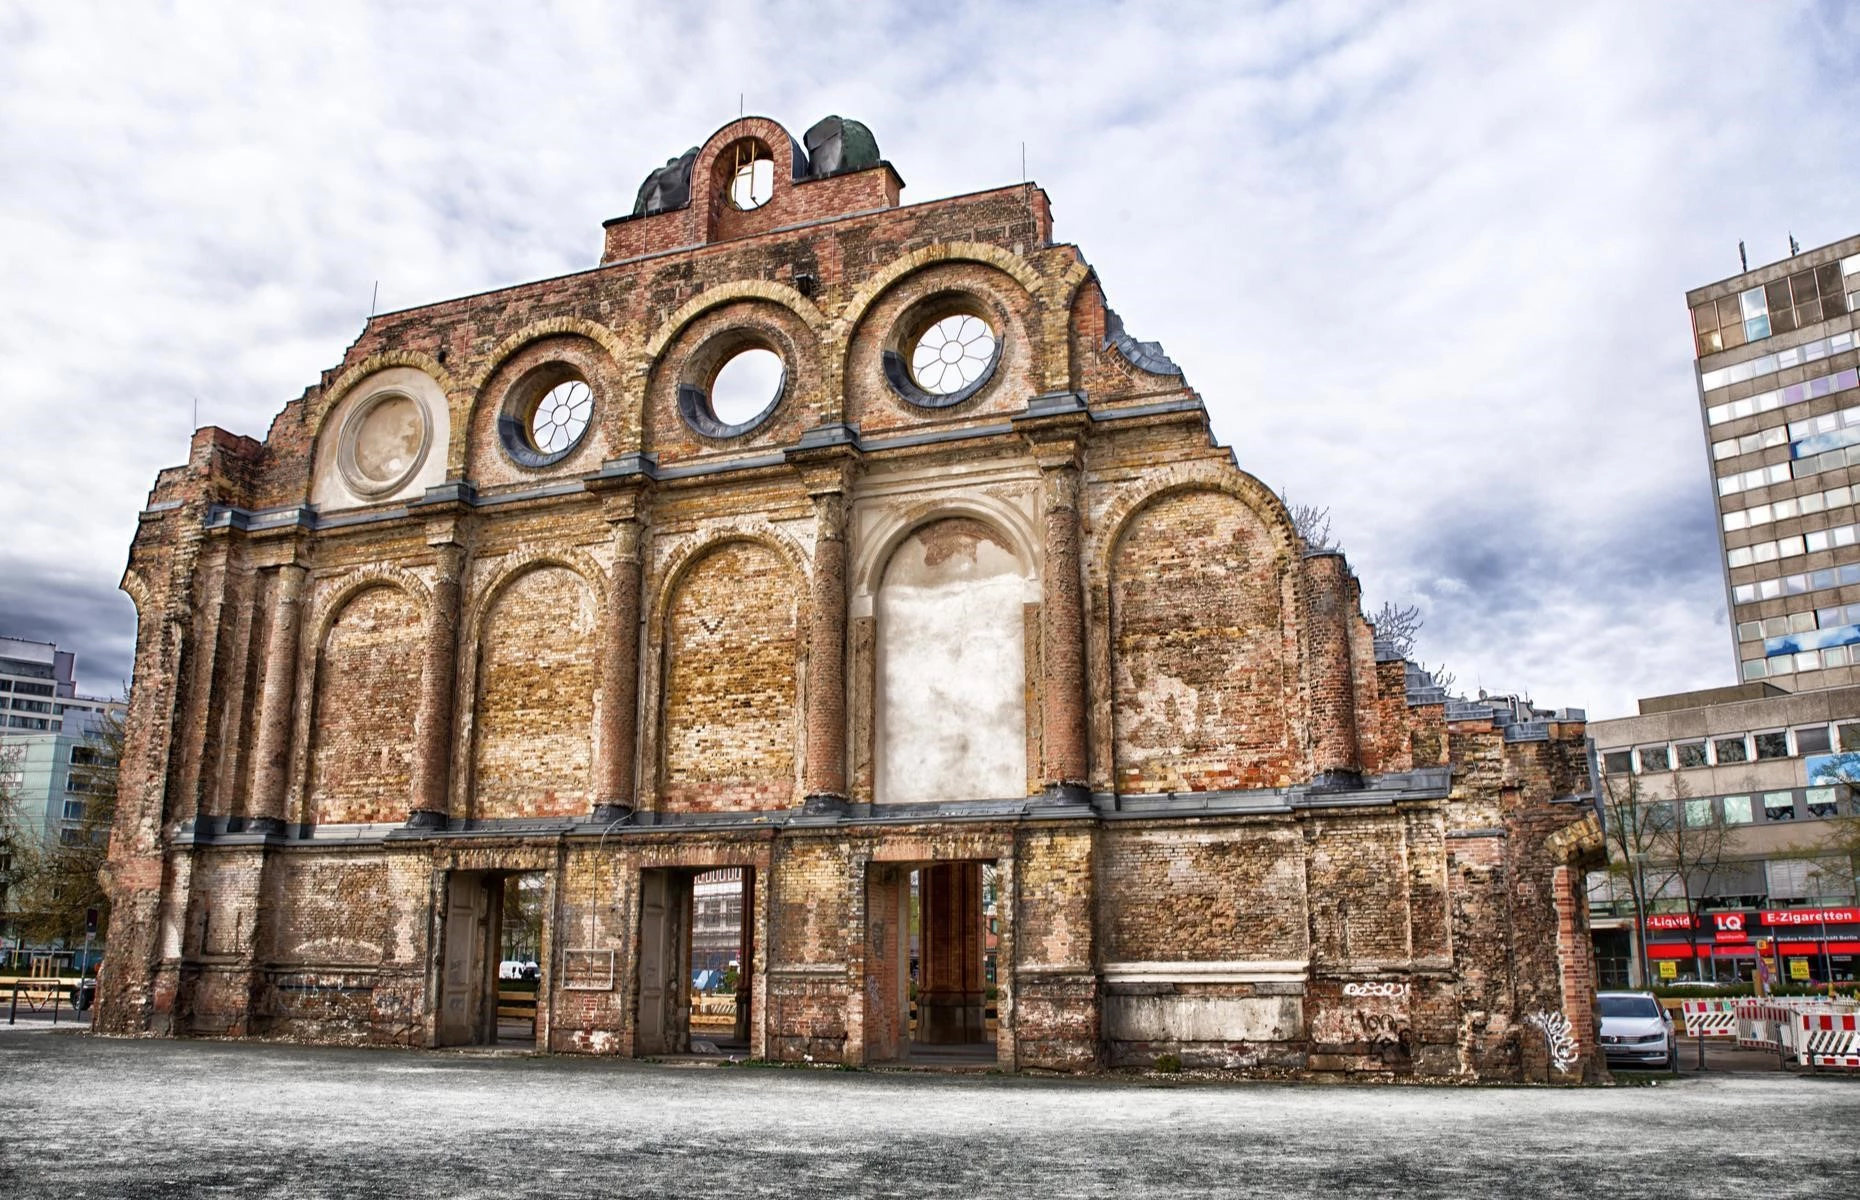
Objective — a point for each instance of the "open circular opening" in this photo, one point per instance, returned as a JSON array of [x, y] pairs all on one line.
[[952, 354], [753, 182], [745, 386]]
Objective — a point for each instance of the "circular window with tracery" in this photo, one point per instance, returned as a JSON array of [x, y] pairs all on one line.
[[546, 418], [561, 416], [952, 354], [945, 352]]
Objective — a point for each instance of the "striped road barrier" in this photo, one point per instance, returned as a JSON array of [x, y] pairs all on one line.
[[1711, 1018], [1828, 1039]]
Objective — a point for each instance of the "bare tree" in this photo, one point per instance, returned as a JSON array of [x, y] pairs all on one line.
[[1312, 524], [1398, 624], [14, 837], [1443, 678], [1692, 845], [1629, 829]]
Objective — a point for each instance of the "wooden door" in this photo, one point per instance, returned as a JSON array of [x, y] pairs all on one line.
[[466, 967], [664, 962]]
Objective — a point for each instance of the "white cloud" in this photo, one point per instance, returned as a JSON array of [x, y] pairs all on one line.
[[1425, 262]]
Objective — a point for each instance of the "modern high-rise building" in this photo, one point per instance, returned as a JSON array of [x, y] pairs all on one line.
[[1777, 360], [46, 730]]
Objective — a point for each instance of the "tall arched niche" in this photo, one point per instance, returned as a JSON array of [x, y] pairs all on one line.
[[951, 697], [731, 694], [533, 749], [367, 689], [1200, 688]]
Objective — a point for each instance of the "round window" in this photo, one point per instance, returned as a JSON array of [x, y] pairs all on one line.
[[383, 443], [752, 183], [561, 416], [545, 418], [742, 394], [946, 351], [952, 354]]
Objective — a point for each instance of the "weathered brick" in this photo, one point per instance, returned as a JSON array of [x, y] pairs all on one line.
[[692, 626]]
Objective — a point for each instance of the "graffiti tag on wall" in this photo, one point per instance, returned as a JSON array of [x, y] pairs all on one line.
[[1559, 1038]]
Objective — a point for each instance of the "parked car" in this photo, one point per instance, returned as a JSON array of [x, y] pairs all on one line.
[[1636, 1031]]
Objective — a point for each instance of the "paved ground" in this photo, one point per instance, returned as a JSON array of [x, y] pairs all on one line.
[[94, 1117]]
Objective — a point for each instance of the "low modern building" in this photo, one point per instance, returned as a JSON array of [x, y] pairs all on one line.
[[38, 691], [1771, 767]]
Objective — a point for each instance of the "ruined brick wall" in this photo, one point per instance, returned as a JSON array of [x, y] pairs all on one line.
[[1218, 827], [1195, 893]]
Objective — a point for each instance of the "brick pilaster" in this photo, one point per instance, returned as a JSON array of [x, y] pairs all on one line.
[[432, 722], [616, 744], [1335, 758], [824, 773], [272, 746], [1062, 636]]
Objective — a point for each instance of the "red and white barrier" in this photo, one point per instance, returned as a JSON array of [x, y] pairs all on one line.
[[1763, 1023], [1710, 1018], [1828, 1039]]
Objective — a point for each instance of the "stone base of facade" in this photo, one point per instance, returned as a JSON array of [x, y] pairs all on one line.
[[1115, 942]]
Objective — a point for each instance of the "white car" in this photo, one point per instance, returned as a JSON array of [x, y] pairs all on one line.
[[1636, 1031]]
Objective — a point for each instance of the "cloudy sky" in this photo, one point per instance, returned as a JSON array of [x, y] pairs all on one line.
[[1425, 262]]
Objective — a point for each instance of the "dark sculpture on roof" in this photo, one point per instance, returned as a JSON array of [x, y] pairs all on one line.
[[836, 145], [667, 188]]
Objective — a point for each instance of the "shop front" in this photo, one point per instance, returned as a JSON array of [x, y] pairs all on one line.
[[1800, 946]]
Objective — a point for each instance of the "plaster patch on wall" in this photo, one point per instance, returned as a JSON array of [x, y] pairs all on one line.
[[1176, 1018], [952, 704]]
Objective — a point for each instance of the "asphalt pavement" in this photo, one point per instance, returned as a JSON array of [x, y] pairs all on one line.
[[84, 1116]]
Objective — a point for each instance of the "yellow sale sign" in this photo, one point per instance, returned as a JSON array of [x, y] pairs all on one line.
[[1798, 968], [1669, 969]]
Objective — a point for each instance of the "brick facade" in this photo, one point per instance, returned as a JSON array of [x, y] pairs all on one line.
[[1236, 836]]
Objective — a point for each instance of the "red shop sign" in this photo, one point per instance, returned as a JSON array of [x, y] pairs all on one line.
[[1809, 916], [1669, 921]]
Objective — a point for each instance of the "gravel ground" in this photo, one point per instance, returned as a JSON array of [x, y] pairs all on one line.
[[91, 1117]]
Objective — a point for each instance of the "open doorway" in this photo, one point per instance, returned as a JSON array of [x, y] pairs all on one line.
[[929, 962], [491, 976], [696, 954]]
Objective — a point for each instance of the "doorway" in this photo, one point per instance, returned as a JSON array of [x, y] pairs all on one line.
[[491, 984], [929, 953], [696, 961]]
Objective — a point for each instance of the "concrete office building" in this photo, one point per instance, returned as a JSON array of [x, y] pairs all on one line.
[[1777, 362], [47, 728]]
